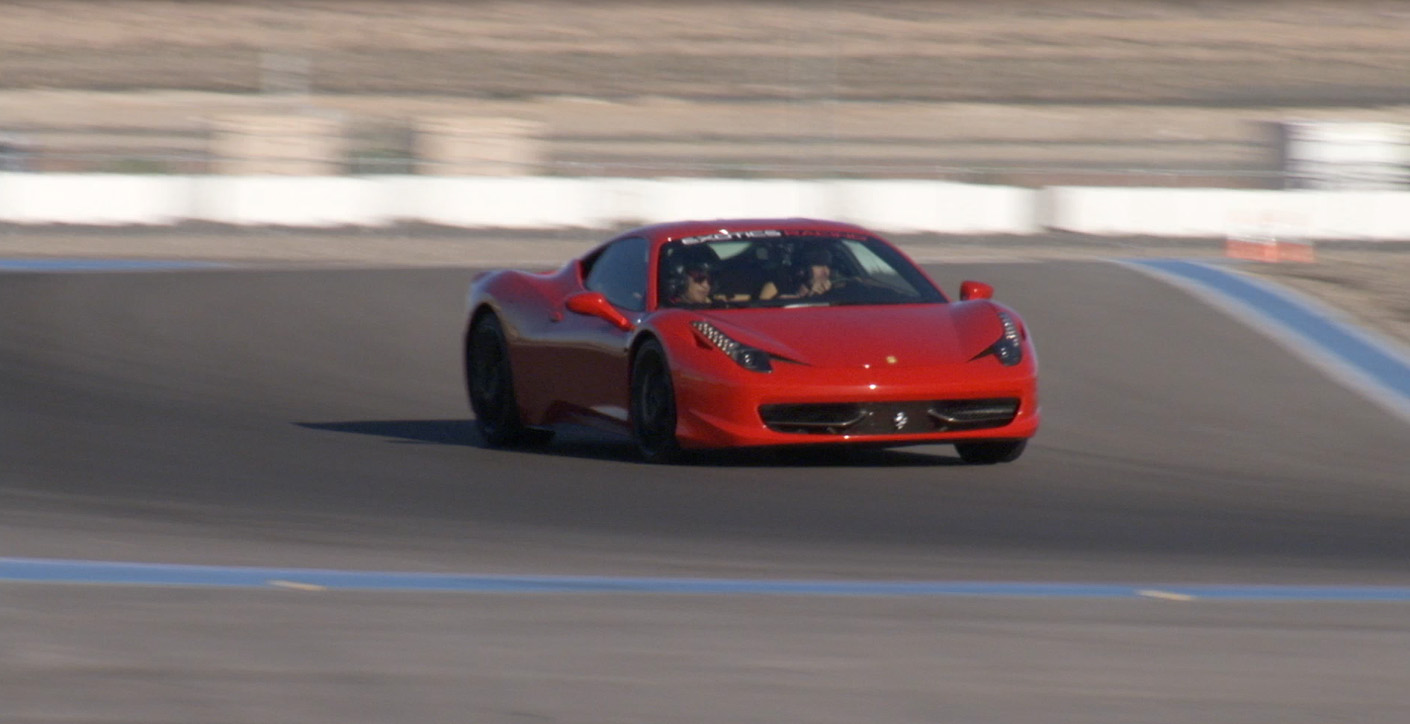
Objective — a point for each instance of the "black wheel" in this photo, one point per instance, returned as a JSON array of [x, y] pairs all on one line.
[[989, 453], [653, 405], [490, 382]]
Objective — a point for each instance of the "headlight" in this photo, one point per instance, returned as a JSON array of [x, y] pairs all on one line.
[[750, 358], [1008, 349]]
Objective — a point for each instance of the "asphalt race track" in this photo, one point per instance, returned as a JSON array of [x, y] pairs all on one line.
[[315, 419]]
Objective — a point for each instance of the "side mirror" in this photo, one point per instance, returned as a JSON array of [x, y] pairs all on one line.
[[593, 304], [975, 290]]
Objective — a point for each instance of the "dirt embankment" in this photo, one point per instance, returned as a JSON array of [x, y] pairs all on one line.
[[1300, 52], [1171, 92]]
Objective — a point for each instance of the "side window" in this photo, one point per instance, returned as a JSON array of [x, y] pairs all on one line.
[[619, 272]]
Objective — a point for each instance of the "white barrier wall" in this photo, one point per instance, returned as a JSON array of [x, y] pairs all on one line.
[[650, 201], [1364, 215], [505, 202], [288, 201], [530, 202], [96, 199], [905, 206], [524, 202]]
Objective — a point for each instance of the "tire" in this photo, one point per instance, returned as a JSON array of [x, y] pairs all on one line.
[[653, 405], [989, 453], [489, 380]]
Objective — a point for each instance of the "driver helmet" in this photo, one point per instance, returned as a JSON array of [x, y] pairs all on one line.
[[685, 262]]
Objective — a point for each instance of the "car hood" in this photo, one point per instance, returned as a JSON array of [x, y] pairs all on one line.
[[912, 335]]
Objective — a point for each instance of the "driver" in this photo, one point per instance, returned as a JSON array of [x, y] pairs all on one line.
[[810, 278]]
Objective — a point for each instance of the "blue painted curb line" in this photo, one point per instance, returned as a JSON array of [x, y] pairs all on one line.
[[1377, 367], [42, 571]]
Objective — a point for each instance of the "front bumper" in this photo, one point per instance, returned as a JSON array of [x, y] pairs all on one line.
[[800, 405]]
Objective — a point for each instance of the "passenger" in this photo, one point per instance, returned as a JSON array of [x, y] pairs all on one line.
[[810, 278]]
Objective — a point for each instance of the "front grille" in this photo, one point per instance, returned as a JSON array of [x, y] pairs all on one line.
[[889, 418]]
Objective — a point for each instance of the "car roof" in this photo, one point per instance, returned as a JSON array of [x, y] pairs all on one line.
[[670, 231]]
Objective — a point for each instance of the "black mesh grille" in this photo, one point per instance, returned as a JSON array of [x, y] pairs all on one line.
[[889, 418]]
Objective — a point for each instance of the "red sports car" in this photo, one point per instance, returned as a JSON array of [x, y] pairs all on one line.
[[732, 333]]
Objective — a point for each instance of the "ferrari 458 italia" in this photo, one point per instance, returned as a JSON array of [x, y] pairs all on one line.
[[737, 333]]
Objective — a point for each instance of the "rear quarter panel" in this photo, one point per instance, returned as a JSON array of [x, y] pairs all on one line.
[[528, 305]]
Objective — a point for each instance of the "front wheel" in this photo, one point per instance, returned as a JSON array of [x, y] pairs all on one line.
[[653, 405], [989, 453]]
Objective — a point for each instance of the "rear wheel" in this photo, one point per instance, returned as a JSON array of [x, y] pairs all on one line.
[[989, 453], [653, 405], [490, 382]]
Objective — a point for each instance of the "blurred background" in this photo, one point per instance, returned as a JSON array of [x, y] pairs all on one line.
[[1297, 94], [314, 417]]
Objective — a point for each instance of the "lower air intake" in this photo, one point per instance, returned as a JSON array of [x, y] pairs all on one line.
[[889, 418]]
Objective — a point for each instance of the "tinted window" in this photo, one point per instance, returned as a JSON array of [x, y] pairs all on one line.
[[620, 274], [788, 268]]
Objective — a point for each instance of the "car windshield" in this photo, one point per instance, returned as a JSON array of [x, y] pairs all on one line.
[[788, 269]]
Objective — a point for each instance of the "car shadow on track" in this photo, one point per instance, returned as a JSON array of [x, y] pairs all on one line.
[[588, 444], [408, 432]]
